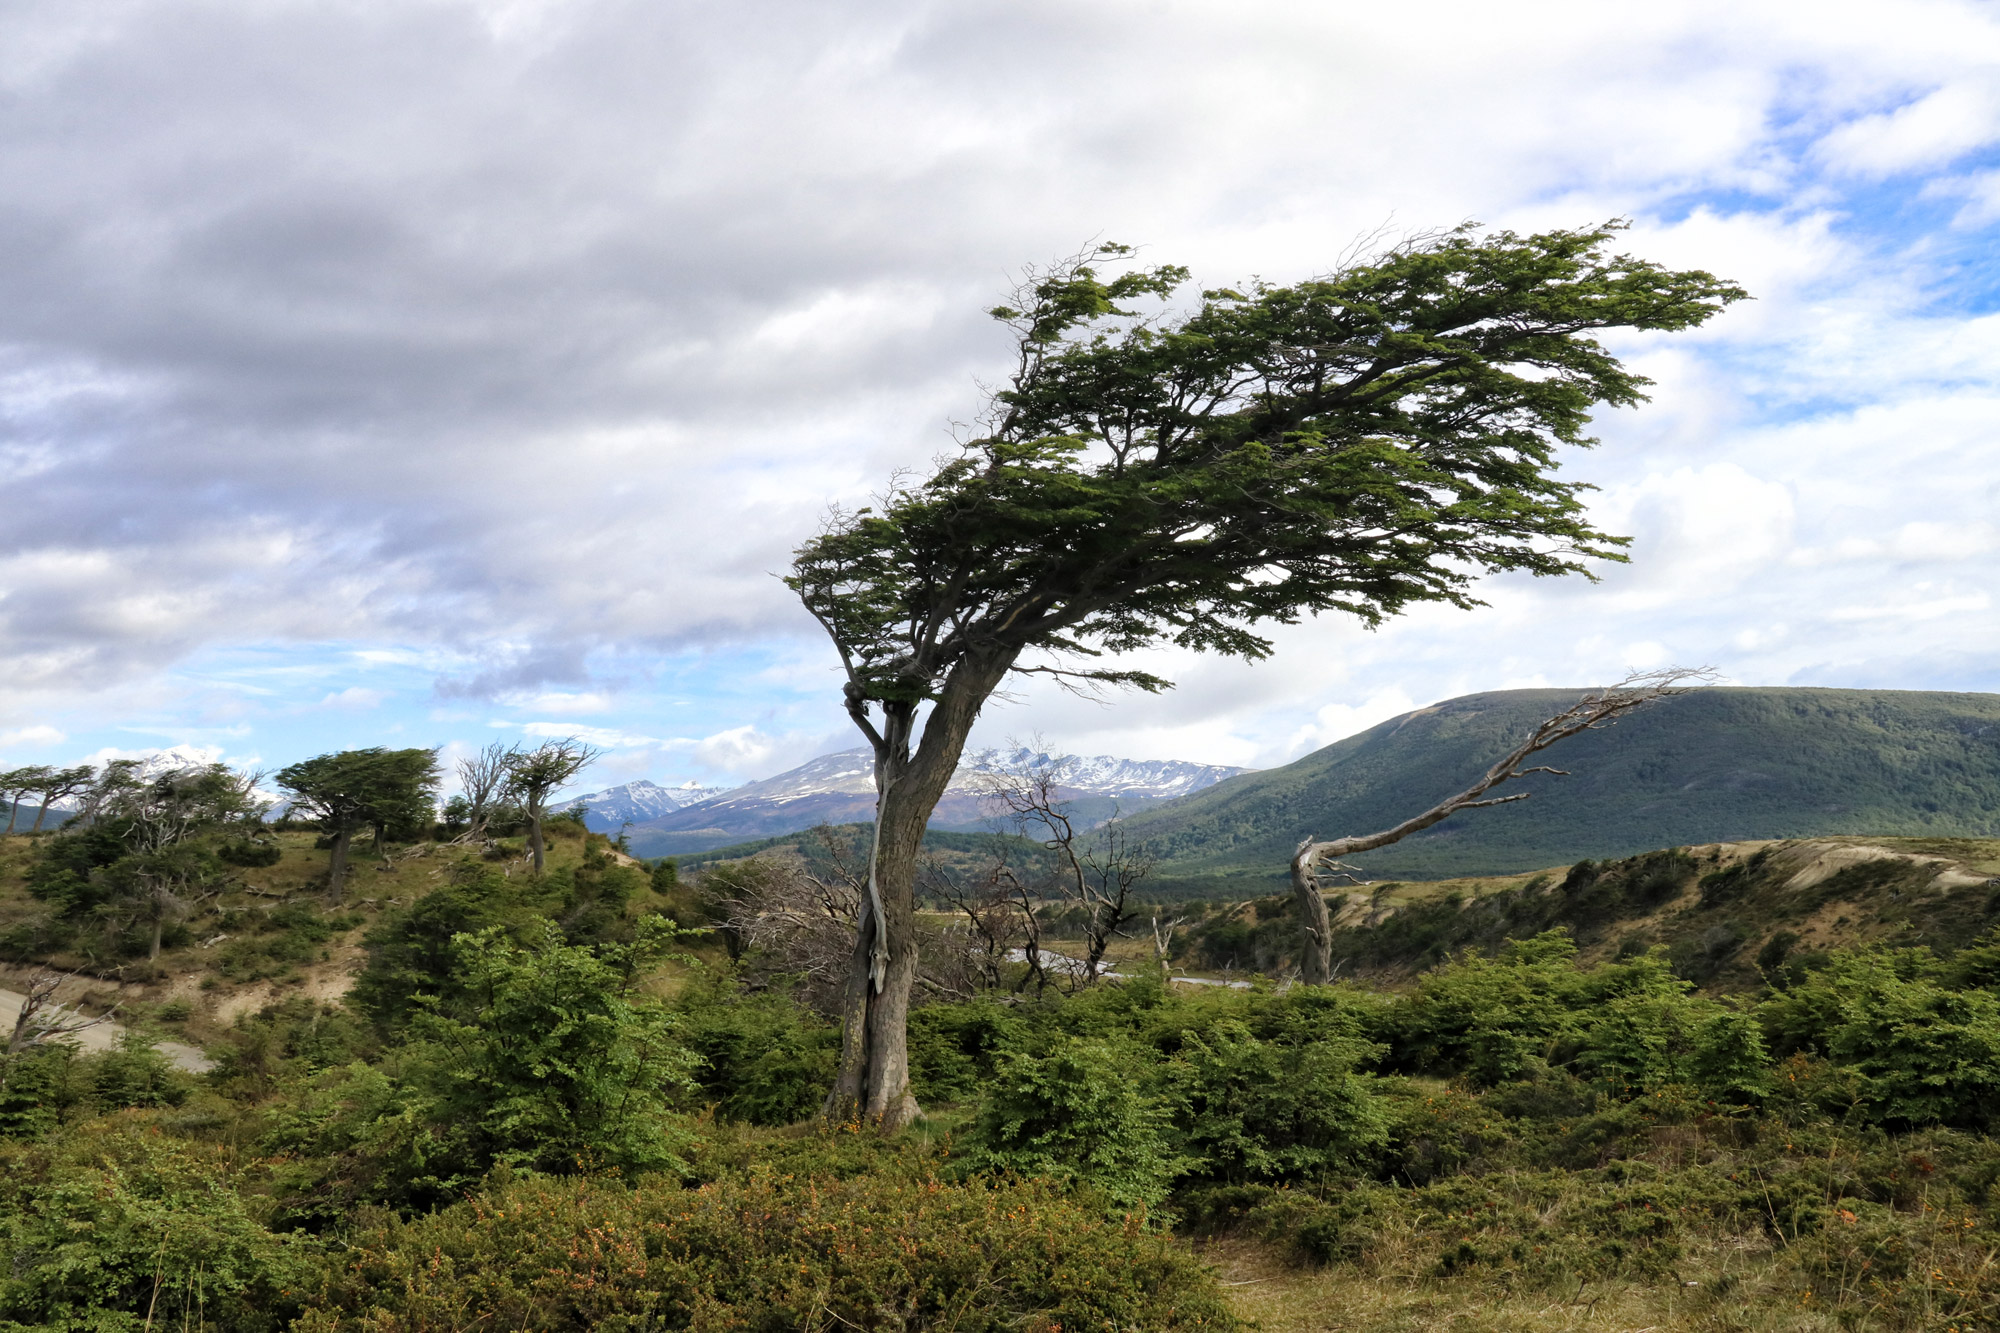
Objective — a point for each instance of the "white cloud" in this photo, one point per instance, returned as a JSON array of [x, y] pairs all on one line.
[[737, 750], [1931, 130], [354, 698], [494, 340], [37, 737], [609, 738]]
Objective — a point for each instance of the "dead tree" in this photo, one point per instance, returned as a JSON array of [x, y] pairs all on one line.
[[1100, 873], [41, 1021], [1600, 708], [803, 922], [988, 909], [482, 780]]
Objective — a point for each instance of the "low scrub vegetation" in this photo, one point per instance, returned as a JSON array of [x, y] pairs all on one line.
[[547, 1102]]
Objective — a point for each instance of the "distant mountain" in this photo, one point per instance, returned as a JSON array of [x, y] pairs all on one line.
[[636, 802], [840, 788], [1713, 765]]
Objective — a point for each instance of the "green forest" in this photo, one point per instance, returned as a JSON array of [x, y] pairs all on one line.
[[472, 1095]]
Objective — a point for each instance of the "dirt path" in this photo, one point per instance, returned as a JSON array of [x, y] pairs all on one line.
[[105, 1036]]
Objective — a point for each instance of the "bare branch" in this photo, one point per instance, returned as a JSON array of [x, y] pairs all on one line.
[[1596, 710]]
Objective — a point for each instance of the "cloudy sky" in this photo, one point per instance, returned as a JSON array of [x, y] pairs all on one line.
[[437, 371]]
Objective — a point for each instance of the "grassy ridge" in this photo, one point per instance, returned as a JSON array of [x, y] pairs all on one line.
[[1718, 765]]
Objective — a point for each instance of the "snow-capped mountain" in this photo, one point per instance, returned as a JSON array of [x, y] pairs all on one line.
[[1146, 780], [637, 802], [840, 788]]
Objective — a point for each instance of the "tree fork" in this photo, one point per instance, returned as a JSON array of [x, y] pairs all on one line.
[[873, 1083]]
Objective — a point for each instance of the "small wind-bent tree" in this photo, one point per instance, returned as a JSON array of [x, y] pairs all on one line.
[[18, 783], [1599, 708], [357, 789], [161, 821], [1355, 443], [535, 775], [404, 803], [58, 783]]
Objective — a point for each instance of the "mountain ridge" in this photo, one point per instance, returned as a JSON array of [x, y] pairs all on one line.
[[839, 788], [1715, 765]]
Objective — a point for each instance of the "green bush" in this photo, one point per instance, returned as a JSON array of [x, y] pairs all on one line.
[[551, 1060], [762, 1059], [119, 1227], [1250, 1110], [591, 1254], [1918, 1052], [250, 855], [1083, 1113]]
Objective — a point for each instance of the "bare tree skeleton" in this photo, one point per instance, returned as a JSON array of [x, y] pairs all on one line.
[[1100, 879], [42, 1021], [1595, 710]]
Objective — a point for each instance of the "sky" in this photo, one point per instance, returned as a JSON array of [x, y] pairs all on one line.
[[435, 372]]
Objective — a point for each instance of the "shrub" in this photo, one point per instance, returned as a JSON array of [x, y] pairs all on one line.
[[1080, 1113], [867, 1253], [118, 1226], [762, 1059], [550, 1060], [1495, 1019], [250, 855], [1921, 1054], [1251, 1110]]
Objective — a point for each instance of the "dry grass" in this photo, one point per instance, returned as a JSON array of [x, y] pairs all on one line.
[[1726, 1290]]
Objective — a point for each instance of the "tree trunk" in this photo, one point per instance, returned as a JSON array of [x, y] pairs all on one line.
[[40, 815], [13, 811], [1315, 925], [159, 930], [336, 867], [873, 1083], [535, 837]]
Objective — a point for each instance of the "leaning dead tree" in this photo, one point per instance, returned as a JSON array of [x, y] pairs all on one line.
[[41, 1021], [1595, 710]]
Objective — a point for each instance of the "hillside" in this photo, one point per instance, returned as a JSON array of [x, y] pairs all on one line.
[[1729, 915], [1717, 765]]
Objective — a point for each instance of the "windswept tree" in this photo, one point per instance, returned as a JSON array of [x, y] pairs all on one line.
[[537, 774], [1356, 443], [17, 783], [162, 821], [1316, 858], [360, 789], [59, 783]]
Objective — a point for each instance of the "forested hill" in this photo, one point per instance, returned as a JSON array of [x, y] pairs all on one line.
[[1714, 765]]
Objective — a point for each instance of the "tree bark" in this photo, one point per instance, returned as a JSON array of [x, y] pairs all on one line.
[[873, 1083], [40, 815], [535, 838], [336, 866], [1315, 923]]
